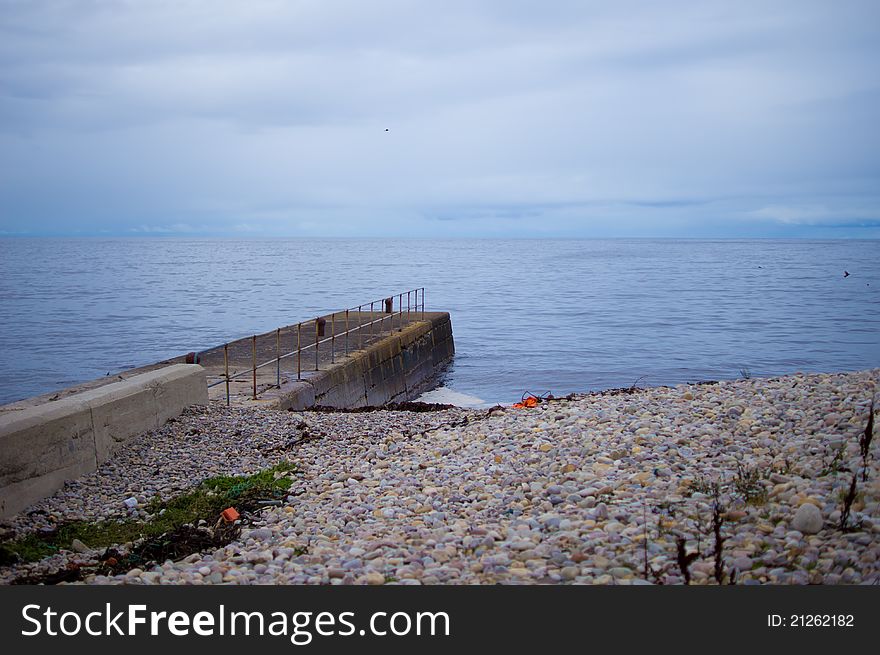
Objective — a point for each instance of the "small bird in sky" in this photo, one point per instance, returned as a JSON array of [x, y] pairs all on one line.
[[386, 129], [846, 274]]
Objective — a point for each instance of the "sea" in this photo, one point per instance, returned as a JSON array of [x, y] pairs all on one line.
[[528, 316]]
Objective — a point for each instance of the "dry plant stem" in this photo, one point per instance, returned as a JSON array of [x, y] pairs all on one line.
[[645, 519], [717, 523], [848, 501], [684, 559], [865, 442]]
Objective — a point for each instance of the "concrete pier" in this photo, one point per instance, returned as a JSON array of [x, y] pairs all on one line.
[[343, 360], [394, 368], [383, 358], [378, 365]]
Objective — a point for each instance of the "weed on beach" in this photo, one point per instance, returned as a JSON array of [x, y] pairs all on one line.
[[205, 502]]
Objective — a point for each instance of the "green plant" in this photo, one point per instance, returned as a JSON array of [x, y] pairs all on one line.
[[701, 485], [836, 464], [748, 484], [206, 501]]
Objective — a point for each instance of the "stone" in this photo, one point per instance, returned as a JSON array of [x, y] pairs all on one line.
[[742, 563], [807, 519], [374, 578], [260, 534]]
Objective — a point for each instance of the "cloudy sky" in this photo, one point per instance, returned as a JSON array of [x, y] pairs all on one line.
[[453, 118]]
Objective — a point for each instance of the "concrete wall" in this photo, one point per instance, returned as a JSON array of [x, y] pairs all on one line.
[[398, 368], [44, 445]]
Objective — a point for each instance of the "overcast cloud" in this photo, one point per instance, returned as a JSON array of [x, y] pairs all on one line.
[[503, 118]]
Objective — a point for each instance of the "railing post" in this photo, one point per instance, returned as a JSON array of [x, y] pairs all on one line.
[[298, 352], [333, 338], [254, 352], [371, 319], [360, 328], [346, 333], [400, 309], [226, 366], [278, 358], [423, 303], [407, 301], [316, 343]]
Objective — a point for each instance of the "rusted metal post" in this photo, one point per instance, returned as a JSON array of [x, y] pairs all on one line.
[[333, 338], [226, 366], [299, 352], [278, 358], [346, 333], [316, 343], [254, 352]]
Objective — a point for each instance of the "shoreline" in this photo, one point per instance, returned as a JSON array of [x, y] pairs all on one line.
[[585, 489]]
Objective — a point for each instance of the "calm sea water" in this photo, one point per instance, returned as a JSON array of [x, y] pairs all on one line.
[[559, 316]]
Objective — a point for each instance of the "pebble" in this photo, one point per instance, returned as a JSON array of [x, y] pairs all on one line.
[[574, 491], [807, 519]]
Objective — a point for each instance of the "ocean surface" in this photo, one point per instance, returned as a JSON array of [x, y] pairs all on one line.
[[528, 315]]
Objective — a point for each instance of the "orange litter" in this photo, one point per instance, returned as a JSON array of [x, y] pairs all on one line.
[[230, 515]]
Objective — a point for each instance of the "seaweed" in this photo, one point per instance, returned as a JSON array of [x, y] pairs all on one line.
[[168, 519]]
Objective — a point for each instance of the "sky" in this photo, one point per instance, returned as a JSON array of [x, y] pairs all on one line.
[[477, 118]]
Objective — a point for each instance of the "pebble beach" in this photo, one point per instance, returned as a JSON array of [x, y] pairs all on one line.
[[747, 478]]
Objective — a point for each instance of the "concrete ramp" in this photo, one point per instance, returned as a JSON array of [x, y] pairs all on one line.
[[44, 445]]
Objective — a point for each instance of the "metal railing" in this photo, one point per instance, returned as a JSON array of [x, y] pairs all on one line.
[[408, 303]]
